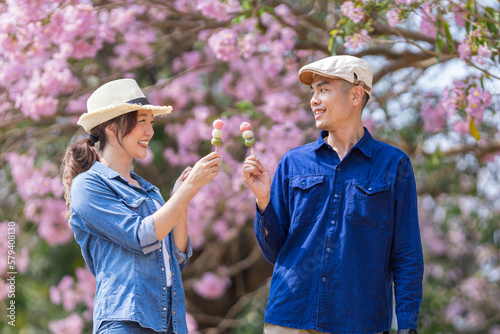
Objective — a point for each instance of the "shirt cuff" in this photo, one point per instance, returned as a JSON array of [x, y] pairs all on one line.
[[265, 218], [407, 320], [183, 256], [147, 236], [261, 219]]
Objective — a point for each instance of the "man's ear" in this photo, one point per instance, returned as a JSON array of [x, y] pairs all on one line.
[[357, 95]]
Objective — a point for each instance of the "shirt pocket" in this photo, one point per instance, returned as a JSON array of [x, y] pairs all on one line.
[[368, 203], [133, 202], [307, 198]]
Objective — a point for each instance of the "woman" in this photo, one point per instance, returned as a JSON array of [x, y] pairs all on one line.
[[134, 243]]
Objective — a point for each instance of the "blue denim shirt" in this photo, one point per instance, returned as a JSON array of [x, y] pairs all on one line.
[[112, 222], [340, 234]]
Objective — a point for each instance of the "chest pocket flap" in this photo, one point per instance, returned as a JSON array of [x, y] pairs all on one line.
[[307, 198], [371, 187], [132, 202], [368, 203], [306, 182]]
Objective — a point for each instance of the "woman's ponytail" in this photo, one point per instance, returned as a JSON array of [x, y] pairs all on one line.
[[78, 158]]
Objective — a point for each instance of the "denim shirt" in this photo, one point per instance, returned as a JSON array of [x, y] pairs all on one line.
[[340, 234], [112, 222]]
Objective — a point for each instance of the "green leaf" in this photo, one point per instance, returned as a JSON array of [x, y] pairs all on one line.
[[439, 42], [492, 13], [245, 106], [246, 5], [266, 9], [473, 130], [449, 39]]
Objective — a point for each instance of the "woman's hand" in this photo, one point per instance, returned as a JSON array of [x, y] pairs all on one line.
[[181, 178], [204, 171]]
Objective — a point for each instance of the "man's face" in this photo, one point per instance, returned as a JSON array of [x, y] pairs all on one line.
[[330, 103]]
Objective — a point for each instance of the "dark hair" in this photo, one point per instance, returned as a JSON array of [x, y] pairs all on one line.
[[80, 156]]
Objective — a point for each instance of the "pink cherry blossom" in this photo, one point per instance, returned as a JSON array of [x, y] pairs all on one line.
[[73, 324], [433, 117], [393, 16], [223, 44], [482, 53], [353, 12], [464, 49], [406, 2], [192, 325], [211, 286], [428, 23], [218, 9], [357, 40]]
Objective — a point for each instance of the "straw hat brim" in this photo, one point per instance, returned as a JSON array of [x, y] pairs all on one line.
[[91, 119]]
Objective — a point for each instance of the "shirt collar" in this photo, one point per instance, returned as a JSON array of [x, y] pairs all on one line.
[[112, 174], [365, 144]]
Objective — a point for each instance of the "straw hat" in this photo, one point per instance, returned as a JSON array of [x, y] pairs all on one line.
[[116, 98], [349, 68]]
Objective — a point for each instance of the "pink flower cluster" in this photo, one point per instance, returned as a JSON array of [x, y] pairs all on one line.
[[70, 294], [393, 16], [483, 52], [72, 324], [428, 25], [357, 40], [465, 97], [192, 325], [218, 9], [41, 189], [36, 76], [41, 40], [352, 11], [211, 286]]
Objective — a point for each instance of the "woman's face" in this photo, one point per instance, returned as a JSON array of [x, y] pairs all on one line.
[[136, 142]]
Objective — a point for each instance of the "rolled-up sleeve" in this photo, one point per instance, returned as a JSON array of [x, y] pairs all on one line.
[[183, 257], [147, 235]]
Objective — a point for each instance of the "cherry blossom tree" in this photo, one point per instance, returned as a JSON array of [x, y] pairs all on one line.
[[435, 95]]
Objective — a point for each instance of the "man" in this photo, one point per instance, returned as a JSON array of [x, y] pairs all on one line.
[[339, 221]]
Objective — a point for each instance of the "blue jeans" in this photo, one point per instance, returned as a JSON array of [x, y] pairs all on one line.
[[127, 327]]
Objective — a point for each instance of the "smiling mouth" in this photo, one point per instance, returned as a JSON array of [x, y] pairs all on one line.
[[318, 113], [143, 143]]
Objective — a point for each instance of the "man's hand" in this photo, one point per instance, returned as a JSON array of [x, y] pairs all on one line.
[[257, 178]]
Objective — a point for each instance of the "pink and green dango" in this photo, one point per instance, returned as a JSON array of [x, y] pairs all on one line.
[[217, 133], [248, 135]]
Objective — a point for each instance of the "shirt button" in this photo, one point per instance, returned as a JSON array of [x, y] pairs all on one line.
[[164, 309], [324, 279], [369, 188], [339, 169], [160, 250], [333, 222], [173, 312], [173, 274], [328, 250], [175, 293], [336, 195], [164, 288], [162, 269]]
